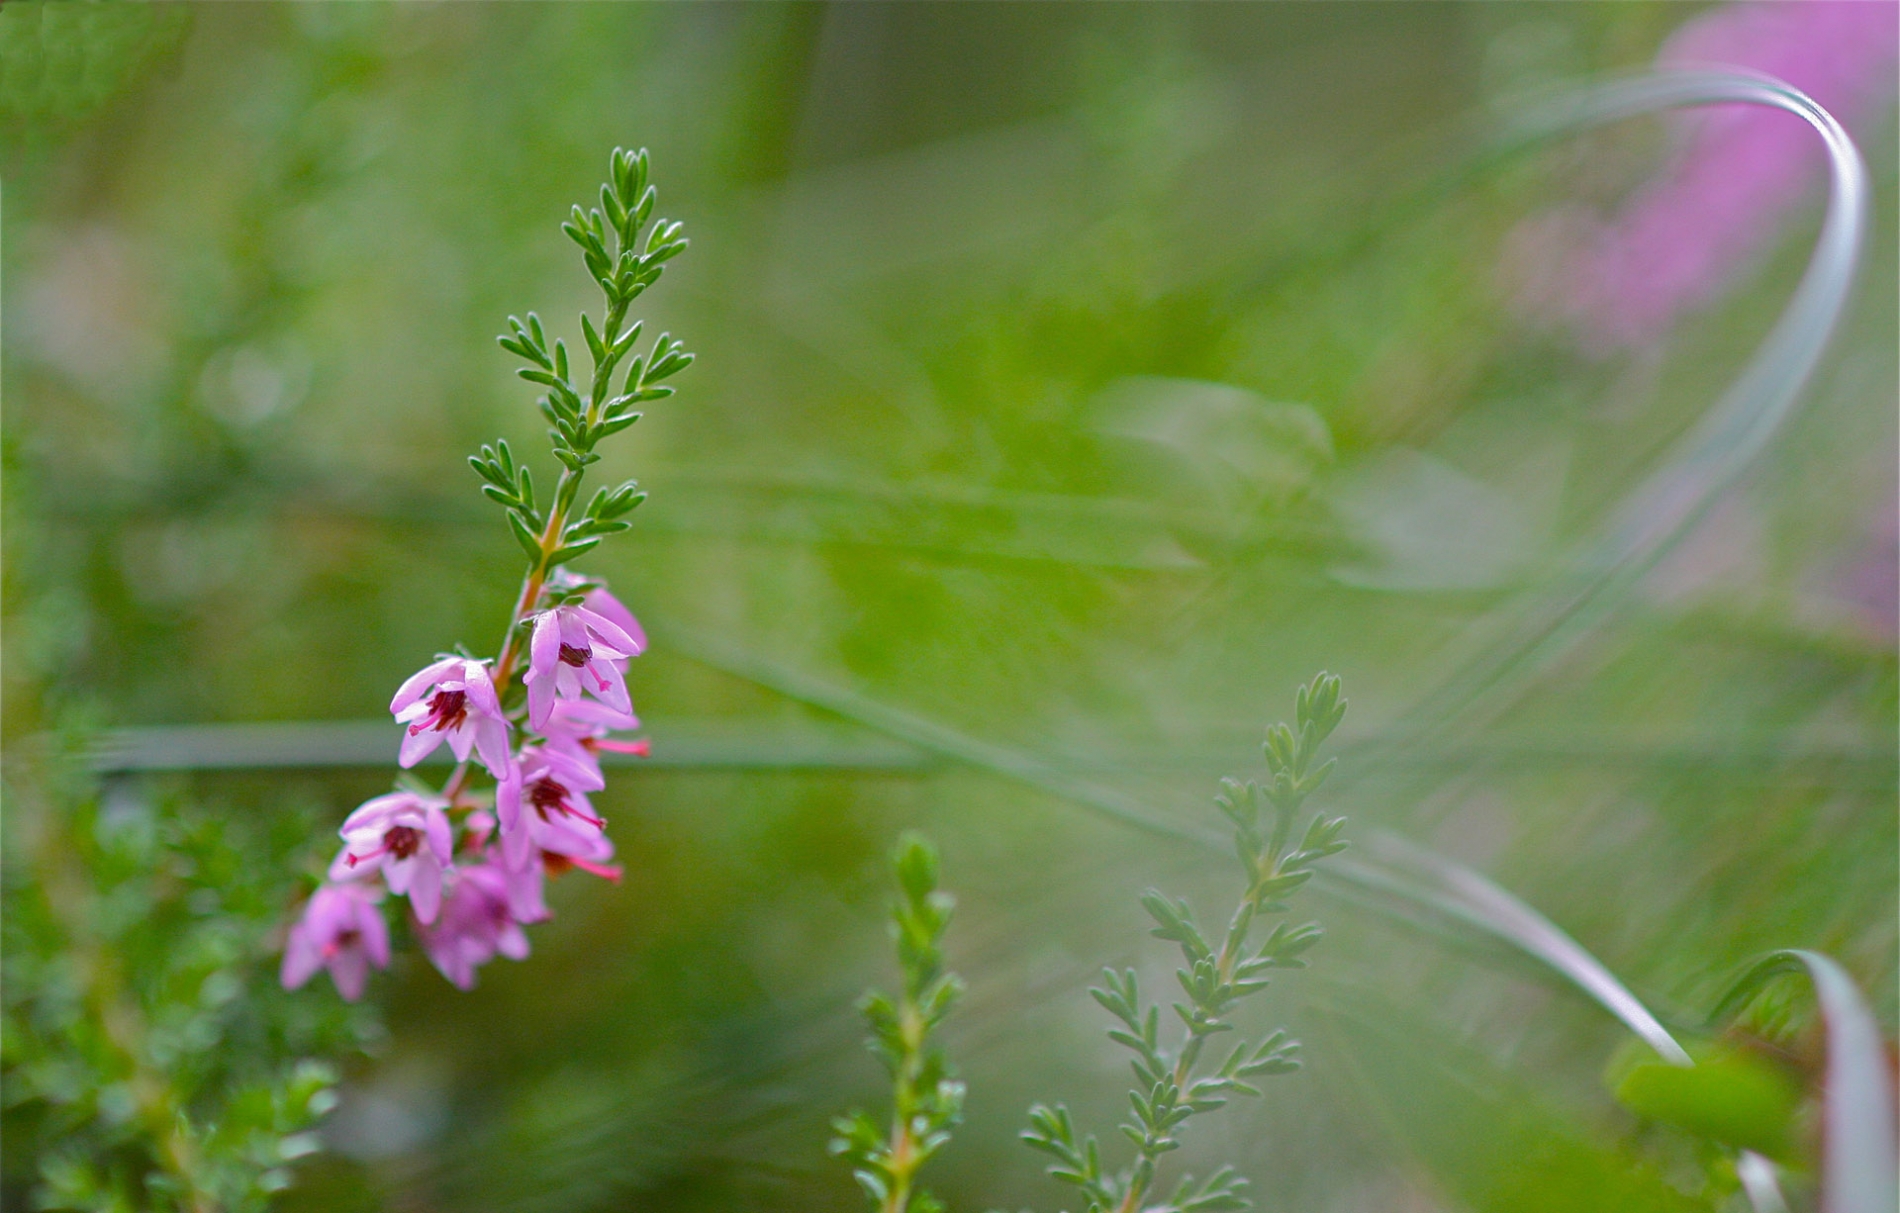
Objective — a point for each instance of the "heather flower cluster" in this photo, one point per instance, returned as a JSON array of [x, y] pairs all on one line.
[[468, 864], [473, 878]]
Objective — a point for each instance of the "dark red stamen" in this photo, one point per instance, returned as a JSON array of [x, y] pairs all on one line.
[[402, 841], [446, 711], [545, 794], [577, 657]]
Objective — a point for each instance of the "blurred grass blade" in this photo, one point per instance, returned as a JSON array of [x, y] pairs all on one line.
[[1758, 1182], [1511, 919], [926, 734], [1860, 1166], [1503, 653]]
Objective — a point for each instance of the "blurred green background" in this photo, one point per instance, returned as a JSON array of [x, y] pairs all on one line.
[[1079, 378]]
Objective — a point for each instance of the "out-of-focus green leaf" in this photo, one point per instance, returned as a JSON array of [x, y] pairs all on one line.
[[1859, 1168], [1493, 1144], [1730, 1096]]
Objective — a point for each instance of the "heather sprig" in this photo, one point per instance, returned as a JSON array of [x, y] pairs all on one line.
[[926, 1101], [1174, 1086], [470, 862], [623, 266]]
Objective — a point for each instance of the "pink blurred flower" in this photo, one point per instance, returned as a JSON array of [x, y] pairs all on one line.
[[1740, 169], [452, 699], [545, 808], [404, 836], [475, 925], [576, 650], [341, 930], [580, 728]]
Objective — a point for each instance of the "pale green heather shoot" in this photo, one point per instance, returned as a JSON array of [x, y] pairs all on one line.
[[1174, 1086]]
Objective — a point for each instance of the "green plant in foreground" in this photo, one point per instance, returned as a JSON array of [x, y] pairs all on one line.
[[148, 1059], [926, 1100], [1174, 1084]]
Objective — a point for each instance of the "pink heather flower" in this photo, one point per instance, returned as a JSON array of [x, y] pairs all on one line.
[[579, 728], [404, 836], [523, 879], [527, 881], [475, 925], [452, 698], [576, 650], [545, 808], [1741, 169], [341, 930]]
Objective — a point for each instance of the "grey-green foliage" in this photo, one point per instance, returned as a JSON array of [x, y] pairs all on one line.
[[1172, 1084], [150, 1059], [927, 1101]]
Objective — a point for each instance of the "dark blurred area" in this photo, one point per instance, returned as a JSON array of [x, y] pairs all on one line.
[[1075, 378]]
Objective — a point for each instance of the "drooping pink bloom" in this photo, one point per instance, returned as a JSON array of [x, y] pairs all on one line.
[[545, 808], [1622, 281], [475, 924], [577, 651], [341, 930], [581, 728], [524, 878], [404, 836], [527, 881], [452, 699]]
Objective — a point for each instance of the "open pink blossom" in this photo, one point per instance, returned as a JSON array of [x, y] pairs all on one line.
[[341, 930], [581, 728], [475, 924], [577, 651], [452, 699], [406, 837], [545, 808]]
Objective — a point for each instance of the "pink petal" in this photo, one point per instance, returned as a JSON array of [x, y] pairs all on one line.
[[612, 609], [441, 841], [342, 869], [301, 960], [417, 746], [614, 693], [512, 942], [481, 689], [398, 872], [491, 742], [575, 775], [582, 713], [525, 900], [540, 701], [508, 802], [349, 968], [372, 813], [425, 889], [462, 738], [517, 844], [544, 657], [417, 684], [611, 632], [375, 933]]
